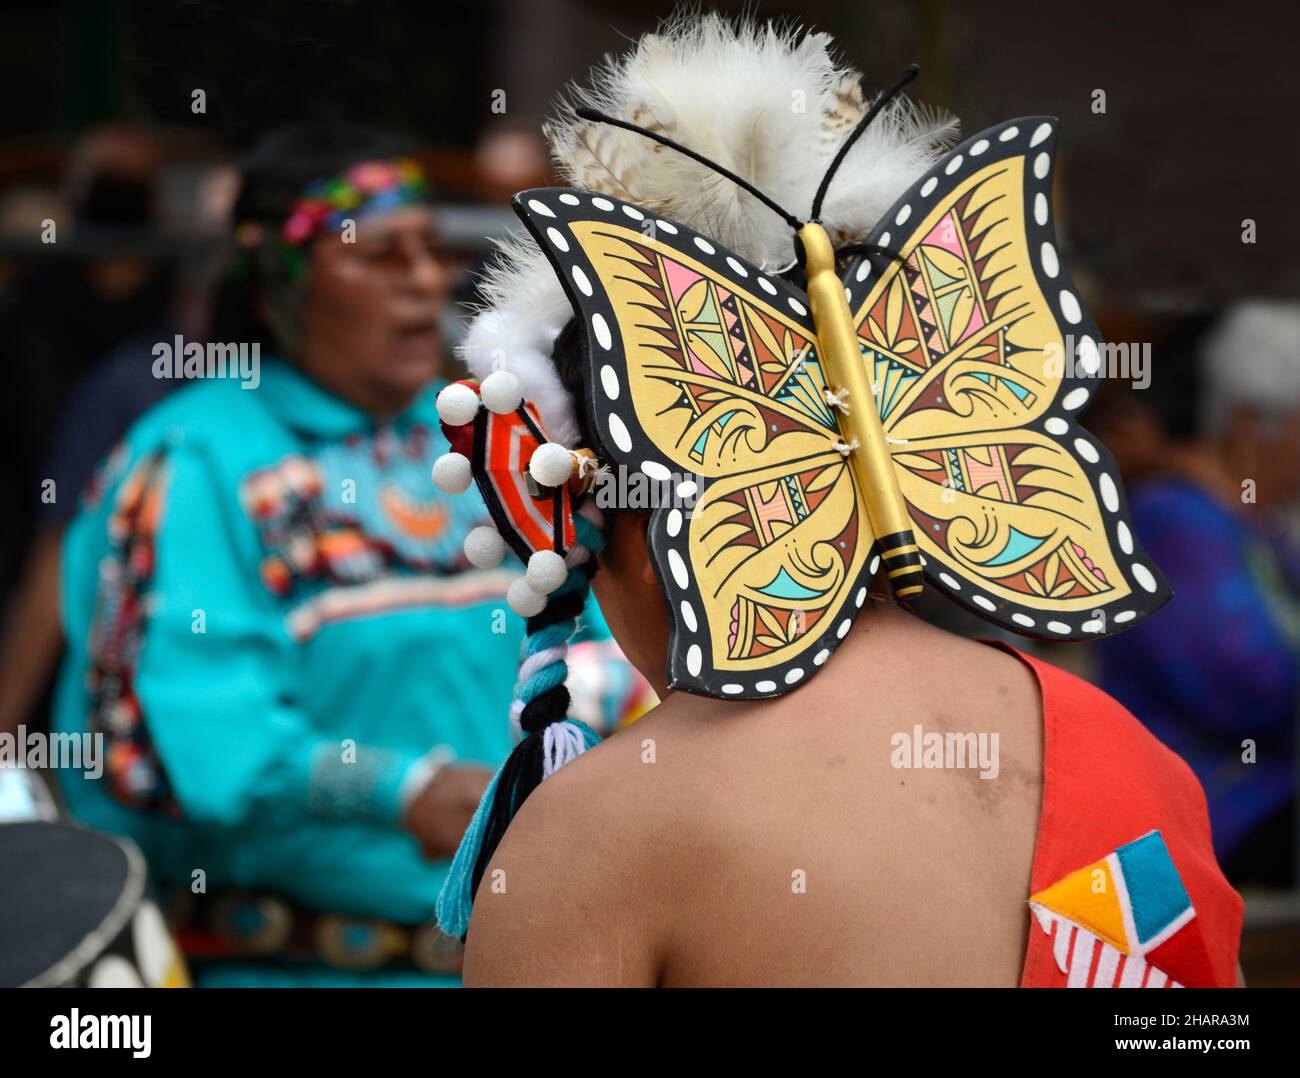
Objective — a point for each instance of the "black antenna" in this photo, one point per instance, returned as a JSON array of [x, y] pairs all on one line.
[[599, 117], [908, 74]]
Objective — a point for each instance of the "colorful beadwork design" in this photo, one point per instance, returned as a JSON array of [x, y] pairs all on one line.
[[355, 511], [134, 772], [365, 188]]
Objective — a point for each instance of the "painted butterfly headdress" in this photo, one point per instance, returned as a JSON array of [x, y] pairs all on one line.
[[912, 408]]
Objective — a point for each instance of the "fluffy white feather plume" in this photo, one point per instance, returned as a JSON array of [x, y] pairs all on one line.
[[524, 312], [772, 105]]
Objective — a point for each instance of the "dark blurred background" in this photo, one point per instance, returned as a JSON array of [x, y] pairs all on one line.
[[1196, 134]]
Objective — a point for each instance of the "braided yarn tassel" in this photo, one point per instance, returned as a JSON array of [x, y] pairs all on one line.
[[549, 738]]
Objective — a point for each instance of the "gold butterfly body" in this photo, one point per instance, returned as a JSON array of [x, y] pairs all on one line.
[[867, 448]]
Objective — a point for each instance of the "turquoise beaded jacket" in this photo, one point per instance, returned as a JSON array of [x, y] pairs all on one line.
[[270, 619]]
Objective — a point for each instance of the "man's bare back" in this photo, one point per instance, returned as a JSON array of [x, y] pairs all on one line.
[[778, 842]]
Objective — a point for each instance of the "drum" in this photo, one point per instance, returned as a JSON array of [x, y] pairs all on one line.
[[75, 912]]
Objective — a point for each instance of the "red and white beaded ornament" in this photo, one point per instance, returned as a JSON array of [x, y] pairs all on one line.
[[527, 481]]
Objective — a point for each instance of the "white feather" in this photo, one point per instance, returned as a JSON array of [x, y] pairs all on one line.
[[526, 309], [771, 105], [902, 143]]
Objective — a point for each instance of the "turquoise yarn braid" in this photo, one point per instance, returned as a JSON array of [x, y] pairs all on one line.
[[541, 701], [455, 902], [552, 639]]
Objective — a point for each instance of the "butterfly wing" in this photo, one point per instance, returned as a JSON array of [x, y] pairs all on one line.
[[704, 378], [981, 356]]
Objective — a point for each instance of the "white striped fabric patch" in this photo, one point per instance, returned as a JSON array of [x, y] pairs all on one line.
[[1089, 962]]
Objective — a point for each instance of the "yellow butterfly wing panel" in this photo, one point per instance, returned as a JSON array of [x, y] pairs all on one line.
[[703, 376], [981, 355]]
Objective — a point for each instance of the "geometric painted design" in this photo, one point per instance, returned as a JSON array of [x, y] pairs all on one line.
[[737, 395], [524, 513], [1125, 921], [700, 362], [1017, 511]]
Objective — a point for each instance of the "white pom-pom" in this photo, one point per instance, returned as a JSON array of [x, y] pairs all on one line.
[[457, 405], [524, 599], [452, 473], [546, 571], [551, 464], [500, 392], [484, 547]]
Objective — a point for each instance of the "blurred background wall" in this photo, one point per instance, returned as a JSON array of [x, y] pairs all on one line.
[[1193, 138]]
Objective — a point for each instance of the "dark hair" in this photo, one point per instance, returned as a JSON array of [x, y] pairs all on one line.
[[570, 364], [273, 177]]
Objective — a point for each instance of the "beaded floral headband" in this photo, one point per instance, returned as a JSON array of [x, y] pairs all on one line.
[[366, 188]]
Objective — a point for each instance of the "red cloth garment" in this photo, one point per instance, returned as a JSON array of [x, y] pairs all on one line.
[[1126, 889]]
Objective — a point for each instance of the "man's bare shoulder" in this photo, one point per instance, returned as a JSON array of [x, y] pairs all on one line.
[[629, 788], [702, 809], [579, 888]]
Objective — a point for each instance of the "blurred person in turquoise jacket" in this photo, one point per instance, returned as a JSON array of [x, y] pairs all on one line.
[[297, 674]]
